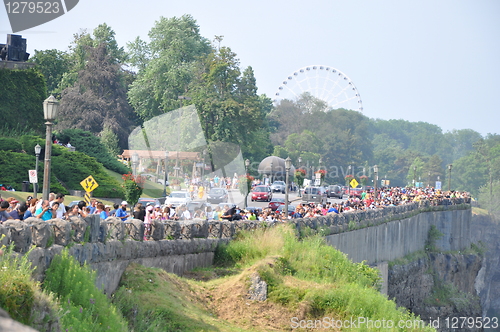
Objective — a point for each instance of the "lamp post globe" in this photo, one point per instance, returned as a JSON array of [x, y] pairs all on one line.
[[50, 107]]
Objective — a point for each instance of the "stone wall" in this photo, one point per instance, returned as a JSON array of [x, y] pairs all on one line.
[[398, 238], [110, 259], [418, 286], [108, 246]]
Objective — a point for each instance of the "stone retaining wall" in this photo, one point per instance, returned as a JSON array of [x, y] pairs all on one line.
[[108, 246]]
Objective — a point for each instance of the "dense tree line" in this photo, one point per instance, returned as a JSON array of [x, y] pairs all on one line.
[[109, 91]]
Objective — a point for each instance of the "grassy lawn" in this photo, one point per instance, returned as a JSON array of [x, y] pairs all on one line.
[[151, 189], [21, 197]]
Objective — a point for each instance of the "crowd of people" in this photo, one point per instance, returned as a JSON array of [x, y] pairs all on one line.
[[54, 207]]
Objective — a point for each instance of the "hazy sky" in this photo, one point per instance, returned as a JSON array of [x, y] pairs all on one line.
[[436, 61]]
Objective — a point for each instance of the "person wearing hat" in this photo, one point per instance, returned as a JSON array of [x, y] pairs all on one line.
[[122, 212], [12, 203]]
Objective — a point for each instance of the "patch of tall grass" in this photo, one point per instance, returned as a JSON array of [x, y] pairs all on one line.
[[17, 291], [310, 274], [84, 306], [154, 301]]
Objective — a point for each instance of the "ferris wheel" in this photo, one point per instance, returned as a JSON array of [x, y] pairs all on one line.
[[323, 82]]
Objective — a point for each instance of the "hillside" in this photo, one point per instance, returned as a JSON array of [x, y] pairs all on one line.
[[294, 283], [266, 280]]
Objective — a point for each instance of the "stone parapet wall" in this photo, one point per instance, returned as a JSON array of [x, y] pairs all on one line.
[[92, 229], [109, 246]]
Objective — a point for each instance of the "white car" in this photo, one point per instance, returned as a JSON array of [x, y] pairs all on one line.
[[177, 198]]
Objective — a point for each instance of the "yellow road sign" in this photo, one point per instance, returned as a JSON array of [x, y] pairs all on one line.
[[89, 184], [86, 198], [353, 183]]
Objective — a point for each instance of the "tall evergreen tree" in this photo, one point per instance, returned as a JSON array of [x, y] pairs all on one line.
[[98, 98]]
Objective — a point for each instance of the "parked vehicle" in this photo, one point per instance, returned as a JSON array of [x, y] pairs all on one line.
[[144, 201], [334, 191], [278, 186], [177, 198], [217, 195], [262, 193], [291, 209], [315, 194], [73, 203], [254, 209], [193, 206], [354, 192], [222, 206], [275, 203]]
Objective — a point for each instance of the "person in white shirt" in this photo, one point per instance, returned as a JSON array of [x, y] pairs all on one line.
[[61, 210]]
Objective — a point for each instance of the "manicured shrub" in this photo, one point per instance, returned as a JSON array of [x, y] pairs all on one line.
[[10, 144], [91, 145]]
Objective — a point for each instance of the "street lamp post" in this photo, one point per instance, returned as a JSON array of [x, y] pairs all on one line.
[[271, 174], [375, 170], [429, 182], [203, 167], [247, 164], [348, 183], [300, 161], [181, 98], [135, 161], [288, 165], [414, 174], [319, 168], [38, 149], [165, 180], [50, 106], [449, 178]]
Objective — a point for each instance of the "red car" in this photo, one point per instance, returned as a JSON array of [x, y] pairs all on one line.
[[275, 203], [354, 192], [262, 193]]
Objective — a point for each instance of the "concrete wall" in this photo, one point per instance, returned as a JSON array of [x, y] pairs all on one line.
[[398, 238], [110, 259]]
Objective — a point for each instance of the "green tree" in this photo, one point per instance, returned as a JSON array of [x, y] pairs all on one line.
[[53, 64], [132, 185], [110, 141], [166, 65], [22, 93], [245, 185], [98, 98], [489, 198]]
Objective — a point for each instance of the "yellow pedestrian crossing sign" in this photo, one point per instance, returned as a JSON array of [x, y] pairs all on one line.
[[89, 184], [354, 183]]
